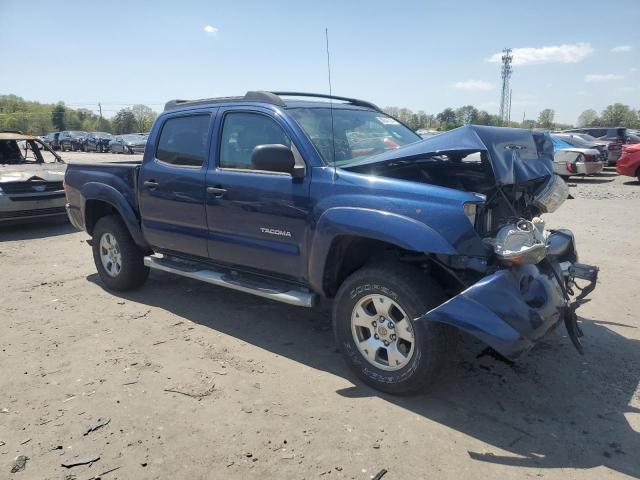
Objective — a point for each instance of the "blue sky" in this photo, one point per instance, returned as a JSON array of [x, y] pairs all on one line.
[[421, 55]]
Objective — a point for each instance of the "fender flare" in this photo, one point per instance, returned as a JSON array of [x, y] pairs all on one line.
[[392, 228], [108, 194]]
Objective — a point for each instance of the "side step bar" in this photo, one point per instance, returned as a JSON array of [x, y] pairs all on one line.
[[280, 293]]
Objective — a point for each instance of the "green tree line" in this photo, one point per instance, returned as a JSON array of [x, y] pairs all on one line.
[[616, 115], [41, 118]]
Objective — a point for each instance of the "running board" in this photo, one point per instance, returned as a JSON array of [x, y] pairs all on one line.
[[280, 293]]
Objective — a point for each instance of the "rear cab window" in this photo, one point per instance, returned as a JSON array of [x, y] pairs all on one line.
[[183, 140]]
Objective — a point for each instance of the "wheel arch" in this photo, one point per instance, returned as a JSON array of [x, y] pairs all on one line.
[[346, 238], [101, 200]]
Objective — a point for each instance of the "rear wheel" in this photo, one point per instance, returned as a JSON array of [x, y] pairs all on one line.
[[373, 321], [120, 262]]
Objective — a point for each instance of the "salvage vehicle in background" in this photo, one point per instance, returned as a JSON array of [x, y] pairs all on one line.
[[30, 179], [71, 140], [132, 143], [616, 137], [51, 139], [582, 140], [569, 160], [264, 194], [97, 142], [629, 162]]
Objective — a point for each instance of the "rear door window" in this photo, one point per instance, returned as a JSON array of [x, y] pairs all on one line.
[[183, 141]]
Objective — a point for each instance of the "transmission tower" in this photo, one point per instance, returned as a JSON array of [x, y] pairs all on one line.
[[505, 99]]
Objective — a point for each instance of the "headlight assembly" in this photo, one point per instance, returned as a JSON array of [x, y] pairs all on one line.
[[552, 195]]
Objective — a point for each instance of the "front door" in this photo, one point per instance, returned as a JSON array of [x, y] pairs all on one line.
[[257, 220], [172, 185]]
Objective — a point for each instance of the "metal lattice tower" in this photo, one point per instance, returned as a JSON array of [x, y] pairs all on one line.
[[505, 99]]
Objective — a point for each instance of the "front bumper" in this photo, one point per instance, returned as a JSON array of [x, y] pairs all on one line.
[[513, 308], [30, 206]]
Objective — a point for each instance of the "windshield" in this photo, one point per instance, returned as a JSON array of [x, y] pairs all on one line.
[[559, 144], [358, 134], [575, 140], [21, 152], [132, 138], [102, 135]]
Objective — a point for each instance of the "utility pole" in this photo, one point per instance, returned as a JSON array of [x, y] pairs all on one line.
[[509, 114], [100, 108], [505, 73]]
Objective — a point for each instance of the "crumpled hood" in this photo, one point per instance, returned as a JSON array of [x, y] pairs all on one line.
[[50, 172], [516, 155]]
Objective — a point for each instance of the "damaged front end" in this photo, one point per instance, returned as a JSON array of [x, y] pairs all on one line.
[[529, 279], [535, 282], [516, 305]]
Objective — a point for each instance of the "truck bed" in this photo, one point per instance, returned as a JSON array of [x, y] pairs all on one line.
[[122, 176]]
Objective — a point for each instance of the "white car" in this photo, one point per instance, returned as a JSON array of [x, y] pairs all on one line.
[[569, 160]]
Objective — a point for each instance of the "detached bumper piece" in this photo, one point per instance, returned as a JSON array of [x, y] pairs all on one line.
[[513, 308], [582, 272]]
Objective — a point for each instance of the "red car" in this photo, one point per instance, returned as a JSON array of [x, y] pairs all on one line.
[[629, 162]]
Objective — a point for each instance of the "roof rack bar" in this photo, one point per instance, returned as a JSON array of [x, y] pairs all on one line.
[[266, 97], [353, 101]]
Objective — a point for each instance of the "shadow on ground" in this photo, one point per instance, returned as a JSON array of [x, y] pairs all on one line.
[[594, 180], [554, 409], [36, 229]]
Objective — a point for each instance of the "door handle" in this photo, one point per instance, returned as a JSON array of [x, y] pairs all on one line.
[[217, 191], [150, 184]]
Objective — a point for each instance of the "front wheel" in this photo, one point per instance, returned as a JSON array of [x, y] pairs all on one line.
[[120, 262], [373, 322]]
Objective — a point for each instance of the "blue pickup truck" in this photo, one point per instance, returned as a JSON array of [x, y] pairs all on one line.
[[303, 197]]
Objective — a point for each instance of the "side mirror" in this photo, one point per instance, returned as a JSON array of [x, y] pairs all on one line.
[[275, 158]]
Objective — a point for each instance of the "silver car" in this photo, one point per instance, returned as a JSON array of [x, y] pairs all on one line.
[[31, 176]]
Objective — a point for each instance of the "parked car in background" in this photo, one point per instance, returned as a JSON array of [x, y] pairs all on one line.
[[616, 136], [569, 160], [30, 179], [424, 133], [71, 140], [51, 139], [586, 141], [629, 162], [97, 142], [131, 143]]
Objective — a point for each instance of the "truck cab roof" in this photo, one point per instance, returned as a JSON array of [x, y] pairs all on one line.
[[292, 100]]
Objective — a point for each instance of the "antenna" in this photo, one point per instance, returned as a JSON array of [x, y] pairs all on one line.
[[333, 136]]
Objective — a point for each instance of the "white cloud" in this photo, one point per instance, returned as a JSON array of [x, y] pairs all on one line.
[[210, 30], [474, 85], [553, 54], [602, 77], [633, 70], [621, 48], [630, 89]]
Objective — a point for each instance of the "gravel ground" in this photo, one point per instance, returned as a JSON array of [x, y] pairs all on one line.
[[185, 380]]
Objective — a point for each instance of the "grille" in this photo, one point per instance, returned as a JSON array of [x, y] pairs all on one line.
[[31, 186], [32, 213]]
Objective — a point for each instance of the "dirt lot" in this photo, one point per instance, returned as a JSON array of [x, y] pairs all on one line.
[[185, 380]]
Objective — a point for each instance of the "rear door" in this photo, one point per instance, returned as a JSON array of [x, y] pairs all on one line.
[[171, 184], [257, 220]]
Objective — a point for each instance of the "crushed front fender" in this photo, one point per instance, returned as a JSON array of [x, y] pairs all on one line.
[[509, 310]]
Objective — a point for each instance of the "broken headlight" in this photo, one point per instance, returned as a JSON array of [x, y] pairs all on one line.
[[521, 242], [552, 195]]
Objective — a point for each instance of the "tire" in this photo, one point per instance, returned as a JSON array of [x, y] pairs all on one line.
[[132, 272], [431, 345]]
